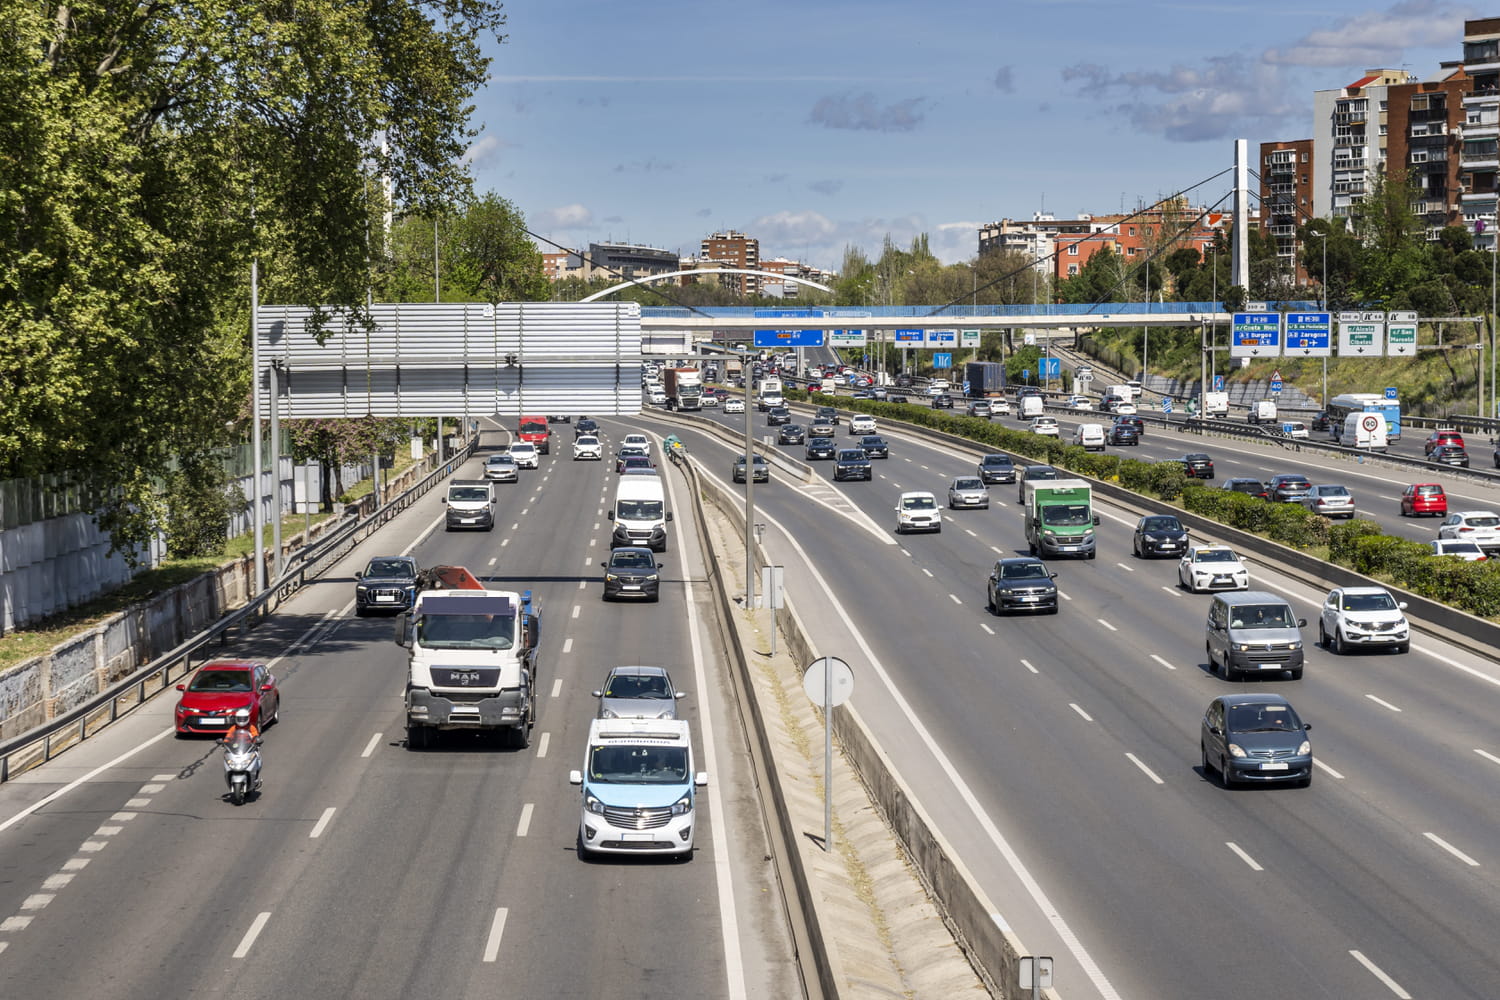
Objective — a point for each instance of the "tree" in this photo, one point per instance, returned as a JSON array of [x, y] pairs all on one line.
[[336, 443]]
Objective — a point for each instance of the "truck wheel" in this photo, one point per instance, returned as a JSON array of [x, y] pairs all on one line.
[[416, 736], [520, 736]]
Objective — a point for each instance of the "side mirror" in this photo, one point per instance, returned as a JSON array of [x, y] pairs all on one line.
[[575, 777], [360, 575], [700, 779], [268, 686], [1302, 623], [403, 629], [661, 565], [182, 687], [1306, 725], [1096, 518], [1401, 606], [598, 694], [679, 694], [610, 514], [1052, 576], [1216, 730]]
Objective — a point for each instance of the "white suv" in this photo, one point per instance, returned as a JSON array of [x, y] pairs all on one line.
[[1363, 616], [918, 511], [861, 423], [1481, 527], [637, 441], [525, 454], [587, 447]]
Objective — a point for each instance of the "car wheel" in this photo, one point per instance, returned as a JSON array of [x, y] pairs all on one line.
[[1224, 777], [359, 611], [985, 507], [276, 715], [1296, 674], [1208, 769], [938, 530], [1336, 645], [1322, 635], [989, 603]]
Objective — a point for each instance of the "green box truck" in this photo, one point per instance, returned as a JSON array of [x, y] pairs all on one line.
[[1060, 518]]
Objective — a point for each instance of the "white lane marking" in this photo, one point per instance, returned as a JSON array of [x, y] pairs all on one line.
[[906, 553], [1064, 596], [76, 864], [577, 609], [370, 746], [322, 823], [556, 686], [65, 789], [525, 822], [504, 542], [593, 542], [1174, 591], [14, 924], [583, 584], [248, 940], [1487, 755], [1331, 772], [986, 628], [541, 746], [1146, 770], [163, 777], [1164, 663], [493, 560], [93, 846], [954, 598], [58, 881], [1034, 889], [1460, 855], [971, 533], [108, 831], [137, 803], [568, 645], [1382, 702], [1375, 971], [996, 549], [122, 817], [513, 527], [1086, 717], [1106, 624], [497, 929], [525, 511], [37, 901], [1028, 666], [589, 561], [926, 570], [1243, 856], [151, 789]]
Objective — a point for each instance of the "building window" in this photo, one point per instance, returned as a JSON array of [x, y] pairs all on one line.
[[1072, 270], [1073, 249], [1132, 230]]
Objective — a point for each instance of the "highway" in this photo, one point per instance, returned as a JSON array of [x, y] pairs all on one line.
[[365, 869], [1060, 753]]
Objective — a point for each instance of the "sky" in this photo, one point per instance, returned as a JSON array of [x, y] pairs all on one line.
[[822, 124]]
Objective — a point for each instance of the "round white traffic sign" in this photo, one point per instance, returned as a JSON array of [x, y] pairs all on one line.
[[814, 681], [1370, 423]]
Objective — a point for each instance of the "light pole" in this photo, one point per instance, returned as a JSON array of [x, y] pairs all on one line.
[[1323, 288]]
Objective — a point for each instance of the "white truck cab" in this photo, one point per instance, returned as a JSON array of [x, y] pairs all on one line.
[[639, 788]]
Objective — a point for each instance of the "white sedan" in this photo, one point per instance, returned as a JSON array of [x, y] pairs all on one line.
[[1124, 409], [734, 404], [525, 454], [1212, 567], [1045, 425], [587, 447], [1080, 403]]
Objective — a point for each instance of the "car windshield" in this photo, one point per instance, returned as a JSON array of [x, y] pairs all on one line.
[[499, 460], [1263, 719], [1215, 555], [468, 493], [1367, 602], [851, 456], [587, 439], [1262, 616], [1041, 472], [466, 631], [967, 484], [631, 450], [388, 567], [230, 681], [638, 765], [638, 510], [918, 503], [637, 686], [523, 448], [1246, 485], [1161, 524], [631, 560], [996, 460], [1066, 514], [1023, 571], [868, 441]]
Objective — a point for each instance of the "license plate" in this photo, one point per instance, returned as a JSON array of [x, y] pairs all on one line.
[[1030, 597], [1068, 548], [1168, 545], [385, 599], [467, 520], [642, 837], [1273, 765], [210, 720], [630, 586]]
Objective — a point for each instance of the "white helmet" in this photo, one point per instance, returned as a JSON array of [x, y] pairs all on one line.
[[242, 717]]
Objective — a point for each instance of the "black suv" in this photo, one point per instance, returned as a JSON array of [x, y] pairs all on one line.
[[585, 425], [1133, 421], [1021, 583], [1123, 433], [874, 446], [820, 447], [997, 469], [826, 415], [632, 572], [778, 415], [791, 434], [851, 463], [1289, 487], [387, 582], [1197, 465]]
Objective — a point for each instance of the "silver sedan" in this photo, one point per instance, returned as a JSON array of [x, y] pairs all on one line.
[[968, 491]]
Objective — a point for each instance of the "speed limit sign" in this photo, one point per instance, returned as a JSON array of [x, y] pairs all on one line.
[[1370, 423]]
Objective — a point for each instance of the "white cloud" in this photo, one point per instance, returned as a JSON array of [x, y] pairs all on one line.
[[1377, 37], [485, 152], [861, 113], [819, 240], [574, 216]]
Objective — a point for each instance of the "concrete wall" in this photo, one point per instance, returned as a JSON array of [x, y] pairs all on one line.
[[52, 565]]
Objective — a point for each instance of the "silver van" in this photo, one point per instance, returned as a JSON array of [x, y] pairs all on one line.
[[1253, 632]]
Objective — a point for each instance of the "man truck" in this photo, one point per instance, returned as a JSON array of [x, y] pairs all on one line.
[[1060, 518]]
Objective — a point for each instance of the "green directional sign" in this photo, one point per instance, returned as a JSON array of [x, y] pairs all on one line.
[[1361, 334], [1401, 335]]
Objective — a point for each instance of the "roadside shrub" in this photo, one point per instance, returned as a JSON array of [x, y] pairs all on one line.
[[1382, 554], [1135, 474], [1342, 539], [1293, 524]]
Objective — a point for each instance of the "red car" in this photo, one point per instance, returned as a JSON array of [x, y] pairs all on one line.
[[1441, 437], [221, 687], [1424, 498]]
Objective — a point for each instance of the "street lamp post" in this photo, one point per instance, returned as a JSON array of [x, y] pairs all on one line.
[[1323, 288]]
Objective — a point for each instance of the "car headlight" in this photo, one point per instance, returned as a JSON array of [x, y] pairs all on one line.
[[1243, 647], [609, 713], [593, 805], [1304, 749], [611, 578], [1235, 751], [1295, 645], [683, 806], [360, 588], [652, 578], [1048, 532]]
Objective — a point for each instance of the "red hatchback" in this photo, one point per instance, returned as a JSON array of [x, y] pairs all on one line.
[[219, 688], [1424, 498]]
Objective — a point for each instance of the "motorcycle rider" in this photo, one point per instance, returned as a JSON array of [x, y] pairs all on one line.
[[244, 727]]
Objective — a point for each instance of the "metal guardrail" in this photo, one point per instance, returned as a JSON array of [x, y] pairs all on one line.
[[42, 743]]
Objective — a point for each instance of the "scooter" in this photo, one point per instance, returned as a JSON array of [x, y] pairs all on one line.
[[241, 766]]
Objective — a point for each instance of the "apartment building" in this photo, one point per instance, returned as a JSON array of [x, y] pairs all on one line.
[[1139, 236], [1426, 127], [736, 250], [1287, 182], [1349, 139], [1479, 157], [1036, 239]]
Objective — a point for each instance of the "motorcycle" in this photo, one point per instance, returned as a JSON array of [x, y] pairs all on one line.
[[241, 765]]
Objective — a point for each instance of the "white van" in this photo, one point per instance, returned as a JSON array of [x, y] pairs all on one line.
[[639, 788], [1031, 407], [1366, 431], [1263, 411], [640, 513], [1089, 437]]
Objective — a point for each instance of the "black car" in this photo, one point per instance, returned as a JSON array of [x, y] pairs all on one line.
[[762, 469], [387, 582], [997, 469], [559, 418], [851, 463], [826, 415], [942, 402], [820, 447], [585, 425], [1319, 421], [1123, 433], [632, 572], [791, 434], [1031, 474], [874, 446], [897, 397], [904, 380], [1450, 454], [1159, 535], [1021, 583], [778, 415], [1197, 465], [1255, 738], [1289, 487], [1250, 487], [1133, 421]]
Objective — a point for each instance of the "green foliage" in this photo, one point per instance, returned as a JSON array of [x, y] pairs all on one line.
[[200, 501]]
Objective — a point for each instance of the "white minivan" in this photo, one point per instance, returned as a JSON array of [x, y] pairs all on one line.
[[1366, 431], [639, 788], [1031, 406], [640, 513]]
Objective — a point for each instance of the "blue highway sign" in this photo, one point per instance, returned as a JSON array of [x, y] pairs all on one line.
[[1309, 335]]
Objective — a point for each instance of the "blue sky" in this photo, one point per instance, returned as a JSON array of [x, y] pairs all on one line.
[[821, 124]]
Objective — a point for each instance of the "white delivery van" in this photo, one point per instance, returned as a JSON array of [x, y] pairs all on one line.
[[1263, 411], [1089, 437], [640, 513], [1216, 404], [639, 788], [1366, 431], [1031, 407]]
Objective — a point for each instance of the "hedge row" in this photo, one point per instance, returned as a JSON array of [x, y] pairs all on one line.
[[1358, 544]]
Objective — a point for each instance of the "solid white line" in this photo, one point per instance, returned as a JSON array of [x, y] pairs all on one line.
[[926, 570], [525, 823], [568, 645], [1487, 755], [497, 928], [541, 746], [576, 610], [370, 746], [1086, 716], [1460, 855], [322, 823], [556, 686], [1149, 773], [249, 939], [1243, 856], [1383, 703], [1128, 569], [1375, 971], [971, 532], [1175, 591], [1331, 772], [1106, 624], [65, 789], [955, 599], [1164, 663], [1028, 666], [986, 628]]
